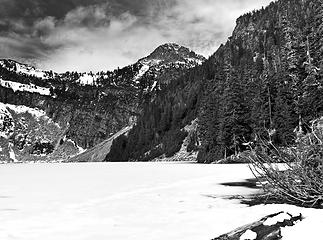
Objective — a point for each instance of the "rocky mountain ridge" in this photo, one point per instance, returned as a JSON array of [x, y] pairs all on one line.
[[88, 107]]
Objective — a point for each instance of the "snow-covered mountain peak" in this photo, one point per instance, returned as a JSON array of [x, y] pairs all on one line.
[[174, 53], [166, 63]]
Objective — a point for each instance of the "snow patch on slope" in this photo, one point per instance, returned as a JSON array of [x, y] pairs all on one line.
[[32, 88], [141, 72], [12, 154], [80, 149], [19, 109], [195, 61], [150, 62], [35, 112], [29, 70], [87, 79], [23, 69], [154, 86]]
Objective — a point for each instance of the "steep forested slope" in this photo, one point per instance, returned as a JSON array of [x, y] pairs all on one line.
[[265, 81]]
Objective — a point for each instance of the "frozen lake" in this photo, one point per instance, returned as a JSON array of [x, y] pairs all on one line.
[[144, 201]]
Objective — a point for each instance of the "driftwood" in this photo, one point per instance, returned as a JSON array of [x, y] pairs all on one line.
[[267, 228]]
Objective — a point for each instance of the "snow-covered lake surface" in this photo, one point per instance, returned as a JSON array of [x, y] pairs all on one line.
[[144, 201]]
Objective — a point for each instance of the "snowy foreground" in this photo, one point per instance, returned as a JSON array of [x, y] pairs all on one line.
[[144, 201]]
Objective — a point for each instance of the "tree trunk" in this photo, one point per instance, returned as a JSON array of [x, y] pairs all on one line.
[[265, 229]]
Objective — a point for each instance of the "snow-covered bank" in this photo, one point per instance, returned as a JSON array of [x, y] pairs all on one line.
[[129, 201], [16, 86]]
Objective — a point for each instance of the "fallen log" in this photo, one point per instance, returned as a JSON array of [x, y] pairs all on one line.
[[267, 228]]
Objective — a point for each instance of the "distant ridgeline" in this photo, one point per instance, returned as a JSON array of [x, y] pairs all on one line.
[[265, 81], [45, 116]]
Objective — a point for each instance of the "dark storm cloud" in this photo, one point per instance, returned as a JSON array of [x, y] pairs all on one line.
[[34, 9], [104, 34]]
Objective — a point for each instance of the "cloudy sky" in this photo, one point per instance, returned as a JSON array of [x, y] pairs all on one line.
[[98, 35]]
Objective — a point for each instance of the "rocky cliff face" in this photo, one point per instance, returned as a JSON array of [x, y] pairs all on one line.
[[80, 110], [28, 134]]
